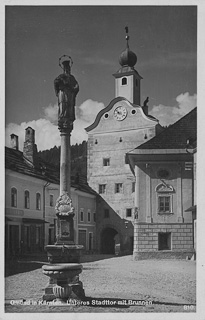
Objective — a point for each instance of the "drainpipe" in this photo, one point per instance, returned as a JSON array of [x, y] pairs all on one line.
[[136, 213], [44, 211], [189, 149]]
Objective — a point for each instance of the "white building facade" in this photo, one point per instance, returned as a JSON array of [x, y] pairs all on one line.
[[31, 190]]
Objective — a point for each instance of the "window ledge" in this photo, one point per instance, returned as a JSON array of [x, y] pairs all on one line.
[[165, 213]]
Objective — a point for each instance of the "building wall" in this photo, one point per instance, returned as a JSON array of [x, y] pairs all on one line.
[[16, 216], [87, 204], [16, 225], [146, 239], [50, 214], [181, 181], [154, 228], [130, 91], [112, 139]]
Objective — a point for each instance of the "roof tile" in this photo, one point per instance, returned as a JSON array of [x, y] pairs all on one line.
[[175, 136]]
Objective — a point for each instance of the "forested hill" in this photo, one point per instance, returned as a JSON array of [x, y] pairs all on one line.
[[78, 157]]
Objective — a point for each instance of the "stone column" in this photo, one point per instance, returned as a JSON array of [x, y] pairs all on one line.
[[64, 255], [65, 167]]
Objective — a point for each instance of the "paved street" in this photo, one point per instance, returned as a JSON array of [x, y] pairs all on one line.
[[170, 285]]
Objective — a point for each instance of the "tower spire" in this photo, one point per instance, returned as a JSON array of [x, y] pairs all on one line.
[[127, 36]]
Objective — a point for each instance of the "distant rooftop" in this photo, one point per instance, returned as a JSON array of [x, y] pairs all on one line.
[[177, 136], [15, 161]]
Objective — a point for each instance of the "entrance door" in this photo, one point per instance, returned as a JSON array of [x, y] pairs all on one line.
[[90, 241], [82, 238], [13, 239], [108, 241], [27, 244], [51, 236]]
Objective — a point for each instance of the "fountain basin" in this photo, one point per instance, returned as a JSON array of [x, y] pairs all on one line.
[[62, 271], [65, 281], [64, 253]]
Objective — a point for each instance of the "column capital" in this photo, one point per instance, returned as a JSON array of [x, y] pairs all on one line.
[[65, 125]]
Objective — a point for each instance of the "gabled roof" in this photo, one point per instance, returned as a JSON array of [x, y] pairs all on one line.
[[15, 161], [177, 136], [108, 108]]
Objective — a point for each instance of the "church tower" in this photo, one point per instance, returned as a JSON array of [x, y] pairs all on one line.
[[127, 79], [118, 128]]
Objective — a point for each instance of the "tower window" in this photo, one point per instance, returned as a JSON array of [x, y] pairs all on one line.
[[106, 213], [136, 83], [133, 187], [13, 197], [106, 162], [102, 188], [89, 216], [124, 81], [118, 188], [128, 212]]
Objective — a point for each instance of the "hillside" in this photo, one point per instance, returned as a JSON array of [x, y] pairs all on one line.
[[78, 157]]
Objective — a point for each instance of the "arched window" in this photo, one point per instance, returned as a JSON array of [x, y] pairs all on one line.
[[27, 199], [124, 81], [13, 197], [38, 201]]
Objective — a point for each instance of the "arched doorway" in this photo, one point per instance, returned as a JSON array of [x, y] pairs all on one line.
[[108, 240]]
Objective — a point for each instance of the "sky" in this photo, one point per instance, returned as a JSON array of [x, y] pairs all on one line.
[[164, 39]]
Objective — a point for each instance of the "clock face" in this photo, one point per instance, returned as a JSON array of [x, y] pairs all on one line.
[[120, 113]]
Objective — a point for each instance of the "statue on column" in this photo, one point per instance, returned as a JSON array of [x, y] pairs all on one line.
[[66, 89]]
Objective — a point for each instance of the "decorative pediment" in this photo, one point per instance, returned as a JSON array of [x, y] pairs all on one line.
[[164, 187]]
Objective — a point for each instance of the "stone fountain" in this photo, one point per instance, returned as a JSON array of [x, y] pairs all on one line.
[[64, 256]]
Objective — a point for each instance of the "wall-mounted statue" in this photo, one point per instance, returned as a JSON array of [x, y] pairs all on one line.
[[66, 89]]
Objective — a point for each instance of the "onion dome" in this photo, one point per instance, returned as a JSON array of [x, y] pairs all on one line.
[[127, 57]]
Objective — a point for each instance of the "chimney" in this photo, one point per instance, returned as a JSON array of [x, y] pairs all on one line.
[[30, 148], [14, 141]]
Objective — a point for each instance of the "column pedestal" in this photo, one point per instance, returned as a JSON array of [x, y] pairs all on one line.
[[64, 282]]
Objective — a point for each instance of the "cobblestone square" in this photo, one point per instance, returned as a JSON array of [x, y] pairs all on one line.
[[112, 284]]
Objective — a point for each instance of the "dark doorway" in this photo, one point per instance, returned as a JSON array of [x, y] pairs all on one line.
[[108, 241], [14, 239], [82, 238], [131, 243], [164, 240], [90, 241]]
